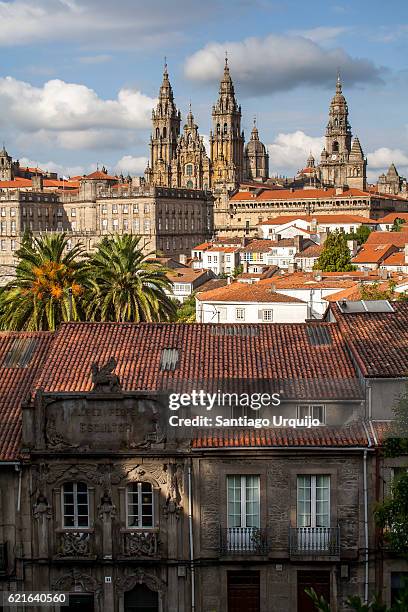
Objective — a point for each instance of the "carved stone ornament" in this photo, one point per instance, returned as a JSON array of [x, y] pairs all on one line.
[[141, 543], [155, 436], [41, 508], [155, 473], [106, 509], [127, 583], [76, 581], [175, 490], [54, 438], [74, 544], [104, 379]]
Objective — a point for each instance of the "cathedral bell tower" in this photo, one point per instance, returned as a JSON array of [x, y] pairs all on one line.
[[165, 132], [226, 138], [342, 161]]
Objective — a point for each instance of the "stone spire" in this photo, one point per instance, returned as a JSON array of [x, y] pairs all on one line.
[[356, 152], [256, 158], [310, 163]]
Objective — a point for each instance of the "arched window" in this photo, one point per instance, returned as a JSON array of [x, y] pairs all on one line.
[[189, 184], [157, 133], [164, 132], [140, 505], [335, 147], [225, 128], [218, 128], [189, 169], [75, 505]]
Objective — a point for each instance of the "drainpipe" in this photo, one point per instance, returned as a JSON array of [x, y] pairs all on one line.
[[190, 532], [18, 468], [365, 529]]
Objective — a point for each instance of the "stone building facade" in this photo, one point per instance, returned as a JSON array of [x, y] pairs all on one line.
[[168, 220], [102, 498]]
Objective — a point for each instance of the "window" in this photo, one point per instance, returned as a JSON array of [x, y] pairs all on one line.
[[266, 315], [115, 224], [125, 225], [136, 208], [314, 411], [136, 225], [3, 212], [146, 209], [12, 212], [73, 226], [104, 210], [73, 212], [75, 505], [240, 314], [140, 505], [59, 212], [3, 245], [313, 501], [104, 224], [13, 245], [146, 226], [125, 209], [3, 227], [189, 170], [114, 208], [243, 496]]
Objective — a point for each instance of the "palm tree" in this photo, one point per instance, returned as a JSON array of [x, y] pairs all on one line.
[[124, 285], [49, 279]]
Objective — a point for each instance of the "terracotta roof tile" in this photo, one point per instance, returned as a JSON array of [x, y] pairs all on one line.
[[353, 435], [15, 386], [373, 253], [378, 341], [245, 292], [340, 219], [399, 239], [298, 194], [261, 352]]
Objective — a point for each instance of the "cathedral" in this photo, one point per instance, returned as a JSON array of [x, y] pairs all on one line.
[[179, 159]]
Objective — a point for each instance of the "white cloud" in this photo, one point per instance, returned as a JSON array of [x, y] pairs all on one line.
[[97, 23], [58, 105], [131, 165], [52, 166], [321, 34], [289, 151], [383, 157], [279, 63]]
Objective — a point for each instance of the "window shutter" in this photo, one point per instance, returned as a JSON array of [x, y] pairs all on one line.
[[260, 315]]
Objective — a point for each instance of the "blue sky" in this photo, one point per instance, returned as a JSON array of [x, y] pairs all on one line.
[[78, 78]]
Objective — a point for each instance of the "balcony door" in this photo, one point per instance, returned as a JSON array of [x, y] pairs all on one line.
[[313, 513], [243, 499], [243, 591]]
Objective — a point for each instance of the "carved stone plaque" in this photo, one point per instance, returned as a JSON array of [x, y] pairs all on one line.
[[102, 423]]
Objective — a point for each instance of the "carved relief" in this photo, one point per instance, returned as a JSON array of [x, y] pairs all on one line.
[[140, 543], [42, 509], [54, 438], [155, 436], [74, 544], [106, 509], [127, 583], [75, 581], [154, 473], [175, 490]]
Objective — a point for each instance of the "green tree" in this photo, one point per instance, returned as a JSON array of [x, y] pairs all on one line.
[[398, 223], [360, 235], [373, 291], [48, 286], [186, 313], [237, 270], [392, 515], [355, 603], [124, 286], [335, 256]]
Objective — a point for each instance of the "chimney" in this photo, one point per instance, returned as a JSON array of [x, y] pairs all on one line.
[[183, 258], [245, 267], [353, 247], [37, 182], [339, 190], [383, 274], [318, 275], [292, 267], [229, 280], [272, 288], [298, 242]]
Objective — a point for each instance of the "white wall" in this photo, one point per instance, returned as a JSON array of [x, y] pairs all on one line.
[[226, 312]]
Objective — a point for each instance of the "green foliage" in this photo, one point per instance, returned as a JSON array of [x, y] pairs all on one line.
[[237, 270], [335, 256], [55, 284], [123, 286], [186, 312], [396, 226], [355, 603], [48, 287], [372, 291], [360, 235]]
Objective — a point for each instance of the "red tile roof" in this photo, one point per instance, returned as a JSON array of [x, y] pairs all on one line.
[[390, 218], [399, 239], [353, 435], [15, 387], [245, 292], [98, 175], [378, 341], [373, 253], [324, 219], [207, 353], [311, 251], [298, 194], [395, 259]]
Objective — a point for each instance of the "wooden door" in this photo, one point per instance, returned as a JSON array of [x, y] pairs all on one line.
[[243, 591], [319, 581]]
